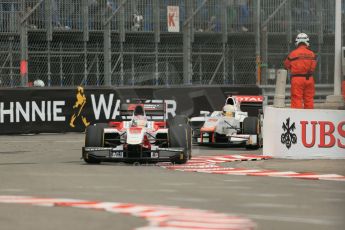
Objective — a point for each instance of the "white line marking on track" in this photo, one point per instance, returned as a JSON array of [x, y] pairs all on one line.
[[208, 164]]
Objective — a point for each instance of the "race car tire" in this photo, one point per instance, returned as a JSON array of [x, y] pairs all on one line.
[[178, 119], [180, 136], [251, 127], [195, 136], [221, 138], [189, 136], [102, 125], [94, 138], [196, 126]]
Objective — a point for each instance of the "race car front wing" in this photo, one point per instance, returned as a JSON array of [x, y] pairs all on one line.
[[116, 155], [208, 138]]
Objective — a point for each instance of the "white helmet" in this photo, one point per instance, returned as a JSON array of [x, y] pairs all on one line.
[[302, 38], [39, 83], [229, 110]]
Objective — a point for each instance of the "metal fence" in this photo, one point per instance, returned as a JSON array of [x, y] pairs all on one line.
[[69, 42]]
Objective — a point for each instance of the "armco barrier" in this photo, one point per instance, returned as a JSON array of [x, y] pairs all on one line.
[[304, 133], [36, 110]]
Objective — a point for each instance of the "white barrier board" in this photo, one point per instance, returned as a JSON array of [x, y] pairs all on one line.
[[304, 134]]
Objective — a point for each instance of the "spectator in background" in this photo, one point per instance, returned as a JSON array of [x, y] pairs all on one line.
[[70, 16], [231, 15], [56, 14], [243, 14], [201, 19], [139, 8], [60, 13], [98, 10], [111, 6], [76, 15], [31, 18], [214, 23], [137, 21]]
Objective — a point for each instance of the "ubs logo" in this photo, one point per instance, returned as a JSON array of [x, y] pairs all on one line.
[[288, 137]]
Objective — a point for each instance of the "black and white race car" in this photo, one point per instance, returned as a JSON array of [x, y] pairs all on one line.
[[138, 138], [231, 125]]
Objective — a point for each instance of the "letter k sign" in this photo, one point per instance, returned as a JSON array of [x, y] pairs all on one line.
[[171, 21]]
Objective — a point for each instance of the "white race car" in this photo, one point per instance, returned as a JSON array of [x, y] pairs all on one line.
[[231, 125], [137, 138]]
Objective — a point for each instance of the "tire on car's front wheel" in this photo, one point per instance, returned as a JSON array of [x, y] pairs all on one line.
[[251, 127], [180, 136], [93, 138]]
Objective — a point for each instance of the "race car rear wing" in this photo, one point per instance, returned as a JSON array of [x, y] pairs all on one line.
[[252, 104], [153, 110]]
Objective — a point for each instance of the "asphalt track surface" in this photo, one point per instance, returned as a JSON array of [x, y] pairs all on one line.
[[49, 166]]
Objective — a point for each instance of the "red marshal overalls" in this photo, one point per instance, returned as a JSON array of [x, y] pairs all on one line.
[[302, 63]]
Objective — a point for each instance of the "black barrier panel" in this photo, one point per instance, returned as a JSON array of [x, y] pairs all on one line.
[[53, 110]]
